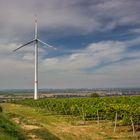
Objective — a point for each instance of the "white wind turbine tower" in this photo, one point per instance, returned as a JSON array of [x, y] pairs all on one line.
[[35, 41]]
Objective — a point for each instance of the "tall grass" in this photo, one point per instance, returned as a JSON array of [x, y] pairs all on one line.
[[10, 128]]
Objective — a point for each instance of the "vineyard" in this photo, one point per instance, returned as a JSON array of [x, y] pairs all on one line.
[[127, 108]]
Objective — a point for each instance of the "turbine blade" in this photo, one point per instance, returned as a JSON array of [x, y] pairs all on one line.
[[24, 45], [46, 44]]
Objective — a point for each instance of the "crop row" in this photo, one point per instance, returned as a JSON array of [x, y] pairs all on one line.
[[89, 108]]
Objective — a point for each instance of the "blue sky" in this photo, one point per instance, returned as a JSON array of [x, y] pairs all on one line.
[[97, 41]]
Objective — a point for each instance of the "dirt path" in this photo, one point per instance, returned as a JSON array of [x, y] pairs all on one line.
[[28, 129]]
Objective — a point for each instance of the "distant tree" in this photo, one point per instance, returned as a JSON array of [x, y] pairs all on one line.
[[0, 109], [94, 95]]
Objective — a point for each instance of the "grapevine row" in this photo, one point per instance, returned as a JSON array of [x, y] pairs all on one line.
[[125, 106]]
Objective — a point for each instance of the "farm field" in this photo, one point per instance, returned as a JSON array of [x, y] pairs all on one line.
[[102, 118]]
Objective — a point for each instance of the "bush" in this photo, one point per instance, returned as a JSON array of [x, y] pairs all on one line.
[[0, 109], [94, 95]]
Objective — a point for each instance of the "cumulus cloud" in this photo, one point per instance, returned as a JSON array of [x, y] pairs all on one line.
[[97, 64], [81, 17], [101, 64], [91, 56]]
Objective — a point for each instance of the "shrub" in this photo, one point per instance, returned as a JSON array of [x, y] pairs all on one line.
[[0, 109], [94, 95]]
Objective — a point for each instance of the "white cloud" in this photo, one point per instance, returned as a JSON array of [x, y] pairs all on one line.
[[66, 18], [28, 56], [135, 30], [70, 70], [89, 57], [102, 58], [80, 17]]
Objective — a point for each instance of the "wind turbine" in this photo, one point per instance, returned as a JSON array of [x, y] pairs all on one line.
[[35, 41]]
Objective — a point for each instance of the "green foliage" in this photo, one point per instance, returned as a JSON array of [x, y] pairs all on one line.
[[125, 106], [44, 134], [94, 95], [10, 128], [1, 109], [5, 136]]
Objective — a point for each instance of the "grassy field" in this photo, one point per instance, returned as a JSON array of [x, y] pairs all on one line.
[[10, 130], [38, 124]]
